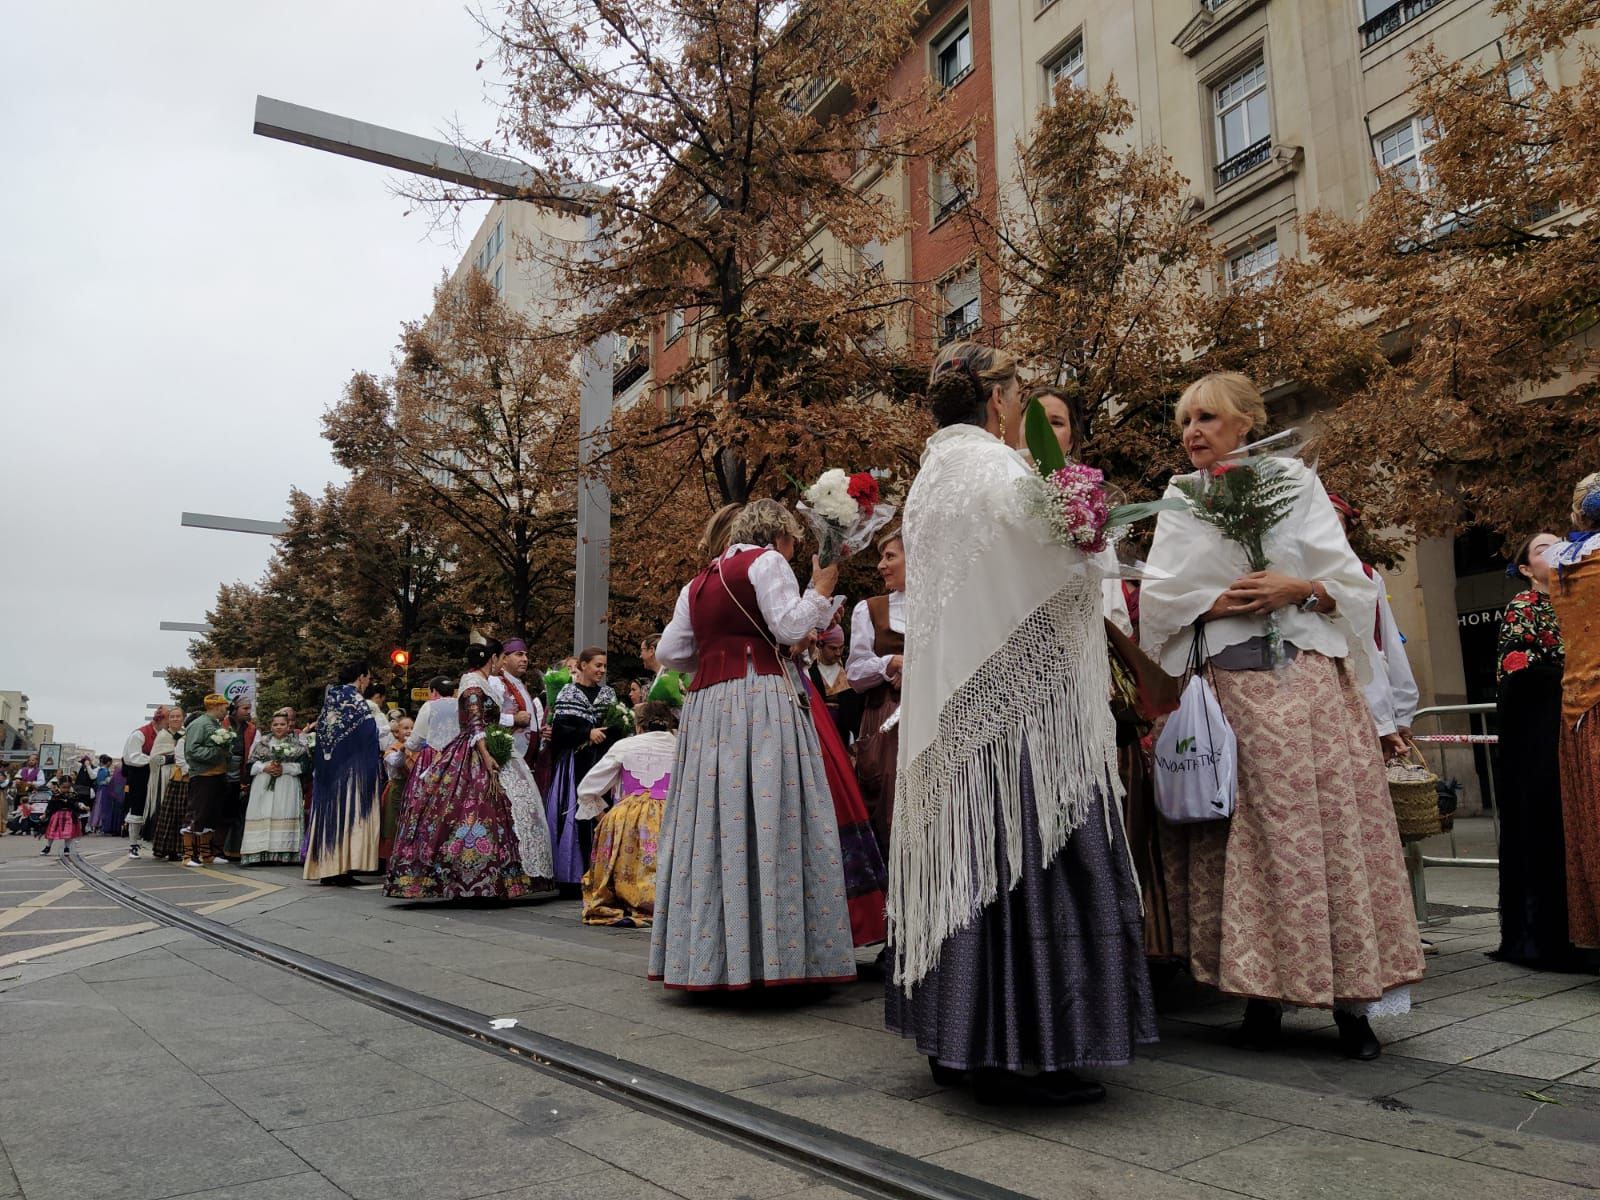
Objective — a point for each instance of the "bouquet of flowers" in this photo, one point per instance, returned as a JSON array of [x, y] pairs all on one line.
[[844, 511], [1243, 501], [500, 744], [222, 737], [1074, 502], [618, 717], [286, 750], [555, 679]]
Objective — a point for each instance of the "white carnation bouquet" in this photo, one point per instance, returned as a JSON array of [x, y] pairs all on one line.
[[844, 511]]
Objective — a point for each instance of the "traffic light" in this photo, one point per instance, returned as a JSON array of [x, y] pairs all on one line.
[[400, 658]]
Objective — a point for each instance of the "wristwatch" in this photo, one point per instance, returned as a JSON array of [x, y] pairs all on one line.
[[1311, 603]]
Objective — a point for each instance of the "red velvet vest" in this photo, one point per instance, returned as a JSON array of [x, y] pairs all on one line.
[[727, 639]]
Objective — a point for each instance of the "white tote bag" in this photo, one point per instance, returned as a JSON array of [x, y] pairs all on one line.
[[1196, 760]]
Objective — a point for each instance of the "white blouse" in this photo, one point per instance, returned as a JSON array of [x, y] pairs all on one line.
[[866, 667], [789, 614], [646, 756], [1200, 564], [1392, 693]]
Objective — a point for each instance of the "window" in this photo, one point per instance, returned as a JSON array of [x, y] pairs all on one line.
[[959, 306], [1244, 122], [1521, 77], [1383, 17], [1400, 147], [499, 280], [947, 192], [876, 342], [1067, 65], [952, 54], [814, 273], [870, 258], [1256, 264], [491, 246], [674, 329], [673, 398]]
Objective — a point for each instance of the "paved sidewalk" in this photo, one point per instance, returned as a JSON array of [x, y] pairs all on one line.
[[1488, 1089]]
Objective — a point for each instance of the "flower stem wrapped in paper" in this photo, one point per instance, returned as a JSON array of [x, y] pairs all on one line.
[[1073, 501], [844, 511]]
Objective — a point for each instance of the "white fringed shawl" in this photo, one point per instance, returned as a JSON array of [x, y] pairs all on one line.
[[1004, 642]]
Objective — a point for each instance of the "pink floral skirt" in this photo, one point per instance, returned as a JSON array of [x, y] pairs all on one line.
[[62, 825]]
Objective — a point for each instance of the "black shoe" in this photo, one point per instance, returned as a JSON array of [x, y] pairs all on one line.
[[1262, 1027], [1356, 1039], [946, 1076], [46, 849], [1057, 1088]]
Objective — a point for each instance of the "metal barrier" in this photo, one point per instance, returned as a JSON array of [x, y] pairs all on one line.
[[1416, 861], [1477, 717]]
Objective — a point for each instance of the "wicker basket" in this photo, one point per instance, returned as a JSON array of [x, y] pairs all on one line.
[[1413, 789]]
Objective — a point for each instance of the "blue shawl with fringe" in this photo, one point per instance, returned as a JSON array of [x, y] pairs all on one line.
[[346, 774]]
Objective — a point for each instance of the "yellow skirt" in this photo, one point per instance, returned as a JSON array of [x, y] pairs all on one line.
[[619, 888]]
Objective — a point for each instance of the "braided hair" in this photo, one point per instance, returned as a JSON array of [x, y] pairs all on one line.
[[963, 377]]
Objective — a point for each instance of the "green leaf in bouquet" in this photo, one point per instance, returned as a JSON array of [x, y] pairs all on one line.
[[500, 744], [555, 679], [1127, 514], [1042, 444]]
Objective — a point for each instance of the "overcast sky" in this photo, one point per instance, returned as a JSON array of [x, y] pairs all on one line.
[[180, 300]]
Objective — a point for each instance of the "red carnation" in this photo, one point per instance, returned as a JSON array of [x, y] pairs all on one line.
[[1222, 469], [1514, 661], [864, 491]]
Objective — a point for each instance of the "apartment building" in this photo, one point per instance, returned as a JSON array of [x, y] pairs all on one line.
[[16, 727], [1271, 108]]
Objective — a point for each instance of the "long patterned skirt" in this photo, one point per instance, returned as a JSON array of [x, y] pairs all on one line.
[[1050, 976], [273, 821], [619, 887], [571, 839], [166, 836], [394, 793], [455, 837], [1302, 896], [750, 890], [1580, 806], [866, 879]]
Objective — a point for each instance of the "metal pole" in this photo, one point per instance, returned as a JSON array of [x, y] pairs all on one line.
[[593, 595]]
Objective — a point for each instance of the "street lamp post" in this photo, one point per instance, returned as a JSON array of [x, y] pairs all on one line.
[[510, 180], [232, 524]]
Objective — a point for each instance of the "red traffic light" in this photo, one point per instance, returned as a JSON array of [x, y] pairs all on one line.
[[400, 658]]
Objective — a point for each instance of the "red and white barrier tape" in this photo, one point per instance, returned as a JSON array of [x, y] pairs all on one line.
[[1457, 739]]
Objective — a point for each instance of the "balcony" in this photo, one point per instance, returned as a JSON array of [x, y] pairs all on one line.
[[629, 365], [1392, 19], [955, 329], [1244, 162], [955, 203]]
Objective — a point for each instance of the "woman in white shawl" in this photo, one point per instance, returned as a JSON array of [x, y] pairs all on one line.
[[1301, 897], [1016, 938]]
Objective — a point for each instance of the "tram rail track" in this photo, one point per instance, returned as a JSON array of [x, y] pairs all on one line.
[[843, 1160]]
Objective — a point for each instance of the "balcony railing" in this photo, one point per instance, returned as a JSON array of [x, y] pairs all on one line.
[[955, 329], [955, 203], [630, 366], [1246, 160], [1392, 18]]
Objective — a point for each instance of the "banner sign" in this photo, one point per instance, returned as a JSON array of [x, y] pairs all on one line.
[[420, 693], [50, 756], [236, 683]]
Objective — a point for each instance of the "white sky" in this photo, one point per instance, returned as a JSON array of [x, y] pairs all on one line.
[[180, 300]]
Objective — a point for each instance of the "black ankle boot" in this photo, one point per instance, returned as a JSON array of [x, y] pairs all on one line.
[[1262, 1028], [946, 1076], [1356, 1039], [1057, 1088]]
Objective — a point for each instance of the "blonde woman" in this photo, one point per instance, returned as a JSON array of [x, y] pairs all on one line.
[[750, 888], [1301, 898]]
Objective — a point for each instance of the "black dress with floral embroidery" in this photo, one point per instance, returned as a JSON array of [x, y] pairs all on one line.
[[1533, 876], [1530, 635]]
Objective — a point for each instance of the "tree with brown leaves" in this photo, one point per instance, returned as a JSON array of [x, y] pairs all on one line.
[[1117, 295], [1482, 265], [477, 427]]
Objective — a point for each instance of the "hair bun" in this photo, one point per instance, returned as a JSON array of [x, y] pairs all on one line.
[[953, 398]]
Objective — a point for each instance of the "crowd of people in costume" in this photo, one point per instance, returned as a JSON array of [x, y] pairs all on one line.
[[953, 775]]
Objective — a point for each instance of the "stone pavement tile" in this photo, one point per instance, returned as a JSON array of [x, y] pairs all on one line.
[[1379, 1121], [1503, 1109], [269, 1044], [353, 1085], [1562, 1161], [1146, 1074], [111, 1043], [447, 1152], [587, 1027], [137, 1147], [1589, 1078], [1535, 1064], [1301, 1163], [750, 1021], [265, 980], [148, 964], [1054, 1170], [701, 1062], [1473, 1003], [879, 1061], [1519, 1018], [1122, 1126], [1323, 1071], [303, 1185], [75, 1095], [9, 1187], [48, 1004], [607, 1183], [1566, 1041], [172, 1006], [1573, 1003], [911, 1127], [1453, 1044], [683, 1161], [342, 1014]]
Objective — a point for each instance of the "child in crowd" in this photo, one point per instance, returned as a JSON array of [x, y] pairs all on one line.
[[61, 814]]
